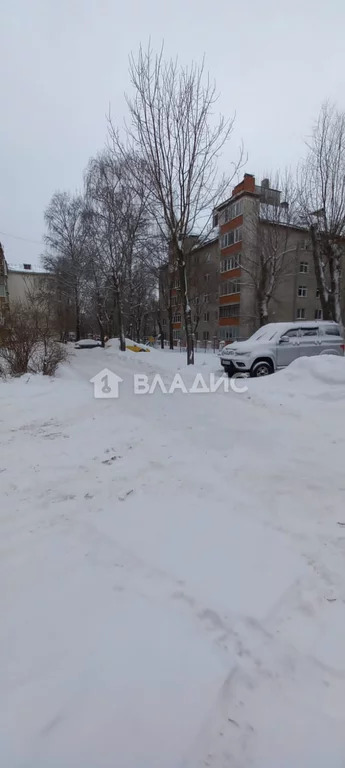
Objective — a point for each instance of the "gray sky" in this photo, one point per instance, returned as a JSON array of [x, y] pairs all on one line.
[[63, 62]]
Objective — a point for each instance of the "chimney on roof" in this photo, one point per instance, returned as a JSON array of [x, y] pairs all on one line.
[[27, 266], [265, 184]]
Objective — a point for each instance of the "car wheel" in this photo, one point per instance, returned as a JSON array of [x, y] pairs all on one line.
[[262, 368]]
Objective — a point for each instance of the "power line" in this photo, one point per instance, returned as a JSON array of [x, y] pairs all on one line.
[[24, 239]]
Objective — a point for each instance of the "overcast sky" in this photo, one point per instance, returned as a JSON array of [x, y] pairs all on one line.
[[64, 61]]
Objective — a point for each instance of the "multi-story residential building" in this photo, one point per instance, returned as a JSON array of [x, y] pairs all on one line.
[[17, 282], [256, 235], [255, 231], [24, 279]]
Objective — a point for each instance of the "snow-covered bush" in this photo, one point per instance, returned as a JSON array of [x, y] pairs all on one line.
[[29, 343]]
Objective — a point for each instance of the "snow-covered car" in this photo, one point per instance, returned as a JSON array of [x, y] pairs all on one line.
[[276, 345], [87, 344]]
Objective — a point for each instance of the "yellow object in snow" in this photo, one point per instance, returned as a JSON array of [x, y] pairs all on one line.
[[136, 348]]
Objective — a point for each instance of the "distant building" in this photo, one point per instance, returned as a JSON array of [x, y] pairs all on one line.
[[17, 282], [3, 287], [24, 279]]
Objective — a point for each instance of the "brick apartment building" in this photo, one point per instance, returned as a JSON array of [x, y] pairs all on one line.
[[256, 218], [224, 272]]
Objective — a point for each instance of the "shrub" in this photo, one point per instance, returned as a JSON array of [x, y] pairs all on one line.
[[29, 344]]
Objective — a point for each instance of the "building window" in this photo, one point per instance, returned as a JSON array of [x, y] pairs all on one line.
[[227, 239], [176, 318], [206, 335], [206, 277], [304, 245], [174, 301], [206, 317], [302, 291], [232, 262], [232, 211], [196, 300], [208, 258], [304, 267], [230, 333], [318, 314], [238, 235], [206, 298], [176, 284], [317, 294], [237, 208], [176, 334], [230, 310], [300, 314], [164, 321], [2, 291], [228, 287], [234, 236]]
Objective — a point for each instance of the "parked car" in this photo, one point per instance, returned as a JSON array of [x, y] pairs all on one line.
[[87, 344], [276, 345]]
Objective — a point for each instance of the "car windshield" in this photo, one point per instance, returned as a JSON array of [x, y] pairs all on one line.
[[264, 334]]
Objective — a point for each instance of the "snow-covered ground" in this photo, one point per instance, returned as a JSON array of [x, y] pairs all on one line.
[[172, 569]]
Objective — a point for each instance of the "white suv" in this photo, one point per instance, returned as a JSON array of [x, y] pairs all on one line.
[[277, 344]]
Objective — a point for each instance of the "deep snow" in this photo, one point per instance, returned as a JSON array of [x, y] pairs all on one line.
[[172, 569]]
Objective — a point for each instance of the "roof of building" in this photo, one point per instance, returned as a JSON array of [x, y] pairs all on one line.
[[27, 269], [210, 238]]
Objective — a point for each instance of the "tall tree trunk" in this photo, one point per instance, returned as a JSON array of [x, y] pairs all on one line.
[[77, 314], [120, 322], [320, 275], [119, 313], [187, 311], [161, 332], [101, 328], [263, 311], [171, 335]]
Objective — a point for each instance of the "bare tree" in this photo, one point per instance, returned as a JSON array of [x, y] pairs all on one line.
[[66, 257], [177, 141], [269, 256], [139, 300], [118, 214], [322, 205]]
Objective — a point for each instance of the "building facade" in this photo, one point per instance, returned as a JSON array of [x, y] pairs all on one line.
[[23, 280], [225, 275], [255, 232], [203, 282]]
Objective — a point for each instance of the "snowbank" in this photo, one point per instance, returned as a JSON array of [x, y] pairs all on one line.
[[306, 379], [325, 368]]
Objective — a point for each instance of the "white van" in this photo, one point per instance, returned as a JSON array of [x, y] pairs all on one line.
[[277, 344]]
